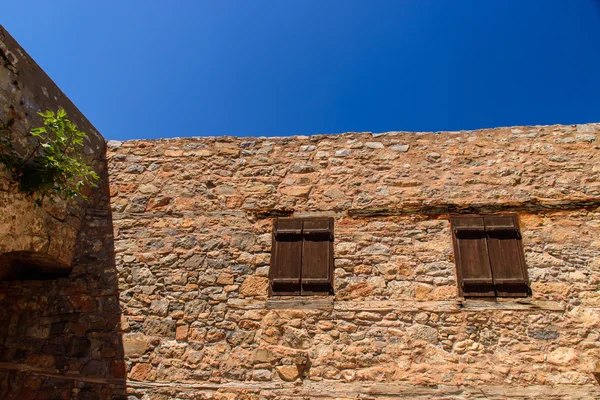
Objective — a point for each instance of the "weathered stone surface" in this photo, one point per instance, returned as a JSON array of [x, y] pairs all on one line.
[[135, 344], [139, 372], [396, 311], [242, 240], [302, 168], [563, 356], [377, 248], [262, 374], [114, 144], [296, 190], [148, 189], [374, 145], [225, 279], [263, 356], [296, 338], [288, 373], [254, 286], [423, 332], [543, 334], [334, 193], [160, 327], [159, 307], [400, 147]]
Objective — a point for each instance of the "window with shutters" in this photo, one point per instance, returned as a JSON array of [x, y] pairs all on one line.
[[302, 257], [489, 257]]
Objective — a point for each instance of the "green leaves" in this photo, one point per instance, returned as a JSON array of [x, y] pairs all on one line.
[[55, 166]]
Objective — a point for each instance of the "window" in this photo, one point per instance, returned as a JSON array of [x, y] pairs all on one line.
[[302, 257], [489, 256]]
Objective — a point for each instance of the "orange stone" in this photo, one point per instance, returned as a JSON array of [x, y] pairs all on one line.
[[139, 372]]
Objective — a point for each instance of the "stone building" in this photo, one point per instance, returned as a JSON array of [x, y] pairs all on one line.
[[449, 265]]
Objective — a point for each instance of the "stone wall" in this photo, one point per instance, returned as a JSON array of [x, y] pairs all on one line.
[[192, 228], [47, 233], [59, 338]]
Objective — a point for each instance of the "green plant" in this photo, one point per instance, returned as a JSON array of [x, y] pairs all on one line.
[[55, 166]]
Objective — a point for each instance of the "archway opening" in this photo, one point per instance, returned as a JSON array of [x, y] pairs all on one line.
[[27, 265]]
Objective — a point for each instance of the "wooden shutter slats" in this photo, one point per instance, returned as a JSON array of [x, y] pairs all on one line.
[[288, 232], [286, 257], [315, 281], [284, 281], [477, 285], [472, 261], [502, 281], [302, 256], [500, 228], [477, 281], [489, 256], [317, 257], [321, 232], [506, 255], [469, 229]]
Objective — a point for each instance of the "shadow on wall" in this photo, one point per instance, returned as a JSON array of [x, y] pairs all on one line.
[[60, 338]]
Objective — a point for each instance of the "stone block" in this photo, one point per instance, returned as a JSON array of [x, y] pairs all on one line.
[[140, 371], [288, 373], [254, 286], [423, 332], [135, 344]]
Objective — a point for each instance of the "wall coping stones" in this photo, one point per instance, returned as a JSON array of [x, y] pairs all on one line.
[[593, 127]]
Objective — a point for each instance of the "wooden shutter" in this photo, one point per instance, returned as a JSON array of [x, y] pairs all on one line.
[[317, 256], [471, 255], [286, 257], [506, 255]]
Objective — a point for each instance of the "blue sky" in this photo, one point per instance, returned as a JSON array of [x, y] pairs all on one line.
[[147, 69]]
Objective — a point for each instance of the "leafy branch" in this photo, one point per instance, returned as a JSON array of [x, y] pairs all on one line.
[[55, 166]]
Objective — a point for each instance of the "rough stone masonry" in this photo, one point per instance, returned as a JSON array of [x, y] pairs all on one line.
[[60, 337], [167, 294], [192, 226]]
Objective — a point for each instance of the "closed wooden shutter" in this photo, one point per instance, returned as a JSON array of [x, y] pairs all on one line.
[[286, 257], [317, 256], [507, 259], [471, 254]]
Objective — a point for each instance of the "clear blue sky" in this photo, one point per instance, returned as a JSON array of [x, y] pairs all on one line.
[[147, 69]]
